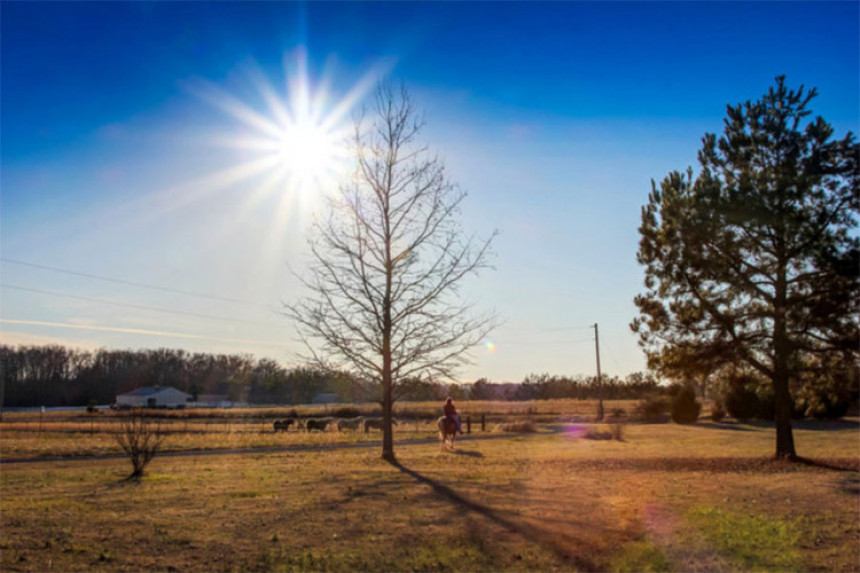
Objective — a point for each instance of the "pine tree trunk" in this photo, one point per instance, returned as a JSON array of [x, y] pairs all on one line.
[[784, 435], [781, 391], [782, 418]]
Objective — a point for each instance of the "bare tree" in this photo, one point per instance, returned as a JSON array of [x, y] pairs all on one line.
[[387, 263], [141, 440]]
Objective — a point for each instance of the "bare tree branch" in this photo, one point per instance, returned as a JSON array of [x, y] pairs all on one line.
[[388, 262]]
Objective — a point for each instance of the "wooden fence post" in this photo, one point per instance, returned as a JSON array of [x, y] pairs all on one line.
[[483, 423], [468, 424]]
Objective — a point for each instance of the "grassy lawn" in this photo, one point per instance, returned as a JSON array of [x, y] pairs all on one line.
[[703, 497]]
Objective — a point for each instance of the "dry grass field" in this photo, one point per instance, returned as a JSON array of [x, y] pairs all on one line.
[[77, 433], [667, 498]]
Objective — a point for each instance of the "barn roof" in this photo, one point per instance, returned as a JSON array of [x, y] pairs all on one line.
[[149, 390]]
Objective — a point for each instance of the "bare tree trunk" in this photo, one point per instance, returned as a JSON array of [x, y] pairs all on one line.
[[387, 431]]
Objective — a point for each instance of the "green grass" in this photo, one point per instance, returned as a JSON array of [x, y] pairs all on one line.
[[752, 541], [641, 556]]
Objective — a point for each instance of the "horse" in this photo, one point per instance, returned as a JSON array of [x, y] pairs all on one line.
[[317, 424], [350, 424], [447, 428], [283, 425], [375, 423]]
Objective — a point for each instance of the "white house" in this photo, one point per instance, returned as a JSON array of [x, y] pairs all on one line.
[[153, 397]]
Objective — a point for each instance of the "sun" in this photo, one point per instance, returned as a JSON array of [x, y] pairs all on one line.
[[294, 137], [310, 154], [290, 142]]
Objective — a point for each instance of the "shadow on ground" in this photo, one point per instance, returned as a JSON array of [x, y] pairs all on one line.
[[466, 453], [752, 425], [532, 533]]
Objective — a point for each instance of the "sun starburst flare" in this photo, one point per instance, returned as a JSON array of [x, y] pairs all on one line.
[[295, 139]]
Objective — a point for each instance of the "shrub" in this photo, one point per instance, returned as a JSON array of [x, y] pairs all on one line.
[[745, 398], [141, 440], [685, 408], [617, 422], [518, 427], [828, 394], [717, 412], [823, 405], [652, 409], [595, 434]]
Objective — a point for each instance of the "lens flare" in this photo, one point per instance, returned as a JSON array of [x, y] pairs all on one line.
[[490, 345], [575, 431]]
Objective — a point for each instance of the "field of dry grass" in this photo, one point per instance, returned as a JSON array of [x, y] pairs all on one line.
[[668, 497], [77, 433]]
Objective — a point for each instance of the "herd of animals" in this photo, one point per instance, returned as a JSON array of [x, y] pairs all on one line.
[[447, 426], [322, 424]]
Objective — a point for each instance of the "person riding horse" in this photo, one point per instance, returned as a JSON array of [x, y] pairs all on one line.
[[452, 413]]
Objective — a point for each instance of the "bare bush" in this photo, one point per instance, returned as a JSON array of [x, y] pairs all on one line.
[[652, 410], [518, 427], [141, 440], [617, 422]]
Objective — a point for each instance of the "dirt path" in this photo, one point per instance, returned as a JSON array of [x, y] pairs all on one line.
[[266, 450]]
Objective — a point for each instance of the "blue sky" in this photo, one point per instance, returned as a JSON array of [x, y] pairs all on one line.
[[554, 117]]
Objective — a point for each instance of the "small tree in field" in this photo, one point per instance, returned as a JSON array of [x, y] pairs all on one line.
[[387, 263], [141, 440]]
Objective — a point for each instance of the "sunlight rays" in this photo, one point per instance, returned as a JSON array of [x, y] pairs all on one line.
[[302, 130], [292, 144]]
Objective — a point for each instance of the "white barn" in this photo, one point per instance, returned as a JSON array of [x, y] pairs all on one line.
[[153, 397]]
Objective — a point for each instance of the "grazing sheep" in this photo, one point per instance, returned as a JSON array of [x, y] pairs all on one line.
[[349, 424], [283, 425], [375, 423], [317, 424]]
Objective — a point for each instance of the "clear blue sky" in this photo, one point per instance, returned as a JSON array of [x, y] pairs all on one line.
[[554, 117]]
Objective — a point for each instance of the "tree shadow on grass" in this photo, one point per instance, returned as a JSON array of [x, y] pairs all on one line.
[[840, 465], [851, 485], [826, 425], [714, 465], [529, 532], [735, 426], [466, 453], [753, 425]]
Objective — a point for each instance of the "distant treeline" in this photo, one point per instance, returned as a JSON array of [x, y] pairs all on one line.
[[54, 375]]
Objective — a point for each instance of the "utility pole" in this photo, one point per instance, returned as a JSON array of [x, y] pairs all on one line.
[[599, 381]]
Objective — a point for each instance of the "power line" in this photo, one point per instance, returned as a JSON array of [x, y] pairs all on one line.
[[131, 283], [138, 331], [507, 342], [138, 306], [553, 329]]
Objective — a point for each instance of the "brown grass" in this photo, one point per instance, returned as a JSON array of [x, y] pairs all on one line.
[[667, 498], [77, 432]]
